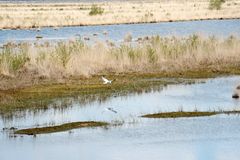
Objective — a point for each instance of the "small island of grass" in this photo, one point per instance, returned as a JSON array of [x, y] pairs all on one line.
[[180, 114], [60, 128]]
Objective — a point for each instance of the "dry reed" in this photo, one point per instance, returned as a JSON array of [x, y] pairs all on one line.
[[75, 58]]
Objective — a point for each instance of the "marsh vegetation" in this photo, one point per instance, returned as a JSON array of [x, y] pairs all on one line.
[[154, 55]]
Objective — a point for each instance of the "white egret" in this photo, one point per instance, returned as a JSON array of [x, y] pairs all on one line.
[[106, 81]]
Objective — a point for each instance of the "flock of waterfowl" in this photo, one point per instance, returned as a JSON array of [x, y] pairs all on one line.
[[127, 38]]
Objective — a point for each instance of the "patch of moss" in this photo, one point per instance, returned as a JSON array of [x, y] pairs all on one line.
[[60, 128]]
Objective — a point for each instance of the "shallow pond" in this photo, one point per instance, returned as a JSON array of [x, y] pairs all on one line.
[[116, 33], [208, 138]]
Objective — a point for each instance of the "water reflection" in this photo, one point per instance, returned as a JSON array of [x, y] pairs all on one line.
[[215, 94], [61, 107]]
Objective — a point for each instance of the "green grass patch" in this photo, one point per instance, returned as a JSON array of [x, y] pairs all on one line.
[[96, 10], [216, 4]]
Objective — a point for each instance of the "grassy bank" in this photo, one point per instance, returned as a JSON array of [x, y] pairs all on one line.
[[43, 96], [157, 55], [180, 114], [113, 12], [60, 128]]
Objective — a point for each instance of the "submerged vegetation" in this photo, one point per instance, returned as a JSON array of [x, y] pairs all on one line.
[[60, 128], [179, 114]]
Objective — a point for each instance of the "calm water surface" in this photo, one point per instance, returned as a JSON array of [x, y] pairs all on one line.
[[116, 33], [204, 138]]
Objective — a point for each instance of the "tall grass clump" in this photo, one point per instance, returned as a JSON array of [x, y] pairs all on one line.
[[157, 54], [12, 59], [216, 4], [63, 53], [152, 56], [96, 10]]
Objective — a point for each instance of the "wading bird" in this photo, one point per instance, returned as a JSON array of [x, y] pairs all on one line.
[[106, 81], [110, 109]]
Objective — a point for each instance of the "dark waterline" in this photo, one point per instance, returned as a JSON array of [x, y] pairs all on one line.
[[116, 33]]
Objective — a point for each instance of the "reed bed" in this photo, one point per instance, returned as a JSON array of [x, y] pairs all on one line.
[[155, 55]]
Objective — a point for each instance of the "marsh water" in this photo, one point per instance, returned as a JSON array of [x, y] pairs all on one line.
[[209, 138], [200, 138], [116, 33]]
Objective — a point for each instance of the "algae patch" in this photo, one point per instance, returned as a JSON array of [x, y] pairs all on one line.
[[60, 128]]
